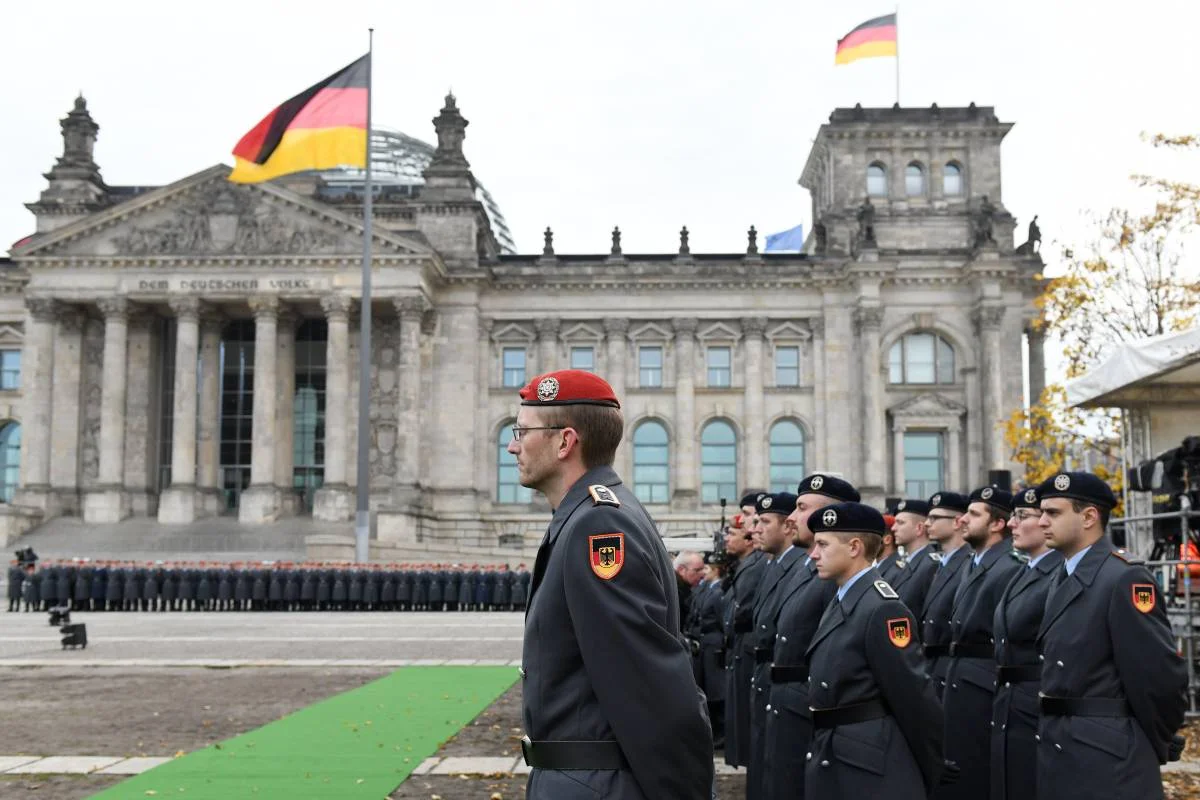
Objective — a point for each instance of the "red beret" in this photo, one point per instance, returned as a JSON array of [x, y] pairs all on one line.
[[569, 387]]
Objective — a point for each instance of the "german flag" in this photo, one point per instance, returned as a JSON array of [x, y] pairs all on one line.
[[322, 127], [872, 39]]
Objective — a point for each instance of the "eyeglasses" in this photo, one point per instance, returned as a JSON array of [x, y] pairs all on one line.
[[518, 431], [1021, 516]]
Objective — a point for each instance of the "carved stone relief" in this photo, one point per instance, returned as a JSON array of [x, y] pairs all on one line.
[[91, 378], [385, 333]]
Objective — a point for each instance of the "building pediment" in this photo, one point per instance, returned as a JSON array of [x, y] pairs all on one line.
[[789, 331], [926, 406], [206, 215]]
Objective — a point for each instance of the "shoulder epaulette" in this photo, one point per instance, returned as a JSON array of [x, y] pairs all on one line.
[[901, 564], [885, 590], [603, 496], [937, 557], [1127, 558]]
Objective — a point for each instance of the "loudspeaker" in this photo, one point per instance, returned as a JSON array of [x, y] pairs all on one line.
[[74, 636]]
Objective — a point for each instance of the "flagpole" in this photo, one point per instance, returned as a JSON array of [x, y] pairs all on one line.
[[362, 518], [897, 54]]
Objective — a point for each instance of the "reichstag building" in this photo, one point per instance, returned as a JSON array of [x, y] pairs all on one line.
[[190, 350]]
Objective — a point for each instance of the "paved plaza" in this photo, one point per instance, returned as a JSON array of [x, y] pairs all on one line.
[[235, 639]]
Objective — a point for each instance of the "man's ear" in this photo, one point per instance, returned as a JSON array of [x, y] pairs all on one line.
[[570, 443]]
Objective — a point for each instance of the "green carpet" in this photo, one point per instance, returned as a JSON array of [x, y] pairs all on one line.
[[359, 744]]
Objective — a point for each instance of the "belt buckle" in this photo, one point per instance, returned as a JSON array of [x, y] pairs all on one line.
[[527, 750]]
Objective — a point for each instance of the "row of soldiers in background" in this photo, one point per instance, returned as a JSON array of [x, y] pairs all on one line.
[[1051, 676], [209, 586]]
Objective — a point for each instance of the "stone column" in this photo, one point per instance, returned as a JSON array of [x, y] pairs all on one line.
[[976, 428], [548, 358], [109, 502], [820, 456], [260, 502], [954, 456], [616, 355], [285, 413], [687, 466], [37, 419], [755, 445], [178, 502], [143, 401], [208, 433], [867, 320], [407, 491], [1037, 361], [334, 502], [67, 409], [988, 319], [898, 430], [485, 466]]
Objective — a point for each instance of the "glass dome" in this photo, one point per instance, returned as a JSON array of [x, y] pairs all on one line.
[[398, 167]]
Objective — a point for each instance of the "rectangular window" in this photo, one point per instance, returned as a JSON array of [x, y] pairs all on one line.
[[720, 367], [10, 369], [650, 367], [787, 366], [583, 358], [514, 367], [924, 464]]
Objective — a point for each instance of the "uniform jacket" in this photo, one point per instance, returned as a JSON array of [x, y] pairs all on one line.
[[739, 668], [603, 659], [856, 656], [889, 566], [767, 600], [935, 614], [789, 723], [1015, 709], [1105, 633], [912, 580], [971, 682]]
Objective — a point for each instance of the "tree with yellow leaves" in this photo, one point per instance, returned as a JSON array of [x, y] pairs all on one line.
[[1130, 282]]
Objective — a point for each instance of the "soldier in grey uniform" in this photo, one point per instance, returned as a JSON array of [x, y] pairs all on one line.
[[16, 577], [946, 508], [877, 722], [971, 675], [1018, 671], [737, 622], [777, 535], [805, 597], [915, 571], [1113, 685], [610, 706]]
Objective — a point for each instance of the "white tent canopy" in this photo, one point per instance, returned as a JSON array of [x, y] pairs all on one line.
[[1171, 358]]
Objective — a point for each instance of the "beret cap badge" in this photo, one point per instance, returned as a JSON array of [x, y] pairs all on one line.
[[1062, 482], [817, 482], [547, 390], [829, 518]]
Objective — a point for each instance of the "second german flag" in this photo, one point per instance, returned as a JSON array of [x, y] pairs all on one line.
[[873, 39], [322, 127]]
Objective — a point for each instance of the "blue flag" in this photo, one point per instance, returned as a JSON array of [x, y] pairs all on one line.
[[791, 239]]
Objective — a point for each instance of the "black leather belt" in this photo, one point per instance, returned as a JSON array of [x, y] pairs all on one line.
[[936, 650], [1085, 707], [848, 715], [763, 655], [1029, 674], [789, 673], [573, 755], [968, 650]]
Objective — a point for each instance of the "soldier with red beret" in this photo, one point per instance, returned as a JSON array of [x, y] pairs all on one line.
[[611, 708]]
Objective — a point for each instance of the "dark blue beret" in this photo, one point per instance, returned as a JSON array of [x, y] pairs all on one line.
[[1027, 498], [913, 507], [779, 503], [829, 486], [951, 501], [847, 518], [1078, 486], [751, 498], [995, 497]]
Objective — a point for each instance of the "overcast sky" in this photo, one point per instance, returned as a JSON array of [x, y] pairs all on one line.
[[648, 115]]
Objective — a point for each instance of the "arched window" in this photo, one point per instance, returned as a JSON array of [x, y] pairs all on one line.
[[877, 181], [914, 180], [10, 460], [921, 358], [651, 463], [787, 455], [952, 180], [718, 462], [508, 486]]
